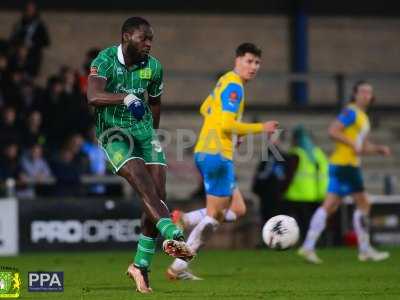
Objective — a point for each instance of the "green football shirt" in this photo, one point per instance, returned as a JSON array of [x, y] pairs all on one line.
[[144, 78]]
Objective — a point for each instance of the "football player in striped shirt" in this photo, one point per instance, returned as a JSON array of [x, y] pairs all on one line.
[[125, 86]]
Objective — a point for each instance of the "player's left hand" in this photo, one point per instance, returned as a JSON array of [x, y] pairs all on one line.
[[135, 106], [384, 150]]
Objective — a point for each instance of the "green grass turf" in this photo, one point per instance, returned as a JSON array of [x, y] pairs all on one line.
[[258, 274]]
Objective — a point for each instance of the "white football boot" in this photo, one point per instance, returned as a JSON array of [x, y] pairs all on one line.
[[373, 255], [309, 255], [181, 275]]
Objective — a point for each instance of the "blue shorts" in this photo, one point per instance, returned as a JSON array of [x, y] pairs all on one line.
[[218, 174], [345, 180]]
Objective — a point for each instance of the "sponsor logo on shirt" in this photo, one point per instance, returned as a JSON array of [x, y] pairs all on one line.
[[145, 73], [233, 97], [131, 91]]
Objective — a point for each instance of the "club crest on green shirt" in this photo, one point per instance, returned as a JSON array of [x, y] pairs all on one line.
[[145, 73], [118, 157]]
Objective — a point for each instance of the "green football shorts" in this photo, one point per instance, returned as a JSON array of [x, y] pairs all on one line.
[[121, 145]]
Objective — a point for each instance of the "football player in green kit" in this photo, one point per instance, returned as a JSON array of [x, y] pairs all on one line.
[[120, 77]]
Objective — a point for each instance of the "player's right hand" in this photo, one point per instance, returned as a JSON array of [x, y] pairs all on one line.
[[135, 106], [384, 150], [270, 126]]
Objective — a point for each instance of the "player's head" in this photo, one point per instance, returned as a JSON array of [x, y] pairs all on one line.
[[247, 61], [136, 37], [362, 94]]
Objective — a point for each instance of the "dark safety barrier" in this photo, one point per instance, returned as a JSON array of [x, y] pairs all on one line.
[[78, 224]]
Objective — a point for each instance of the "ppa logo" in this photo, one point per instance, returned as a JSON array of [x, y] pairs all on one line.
[[46, 281]]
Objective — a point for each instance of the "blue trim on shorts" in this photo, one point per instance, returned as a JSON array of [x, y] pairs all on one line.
[[345, 180], [218, 174]]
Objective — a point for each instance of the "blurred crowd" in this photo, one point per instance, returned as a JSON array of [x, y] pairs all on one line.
[[45, 132]]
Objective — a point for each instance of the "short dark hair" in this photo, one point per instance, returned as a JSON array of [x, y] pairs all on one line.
[[133, 23], [355, 88], [244, 48]]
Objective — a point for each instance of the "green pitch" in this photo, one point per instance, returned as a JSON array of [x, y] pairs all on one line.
[[262, 274]]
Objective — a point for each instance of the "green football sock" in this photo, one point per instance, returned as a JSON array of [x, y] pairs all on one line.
[[169, 230], [145, 252]]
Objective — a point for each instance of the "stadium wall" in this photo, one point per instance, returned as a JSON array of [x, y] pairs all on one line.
[[204, 44]]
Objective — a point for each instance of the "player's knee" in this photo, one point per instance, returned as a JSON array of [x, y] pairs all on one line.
[[240, 211]]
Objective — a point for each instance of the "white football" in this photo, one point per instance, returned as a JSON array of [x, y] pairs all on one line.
[[280, 232]]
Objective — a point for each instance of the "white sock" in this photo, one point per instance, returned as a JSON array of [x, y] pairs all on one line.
[[201, 232], [230, 215], [179, 265], [317, 225], [361, 227], [194, 217], [196, 239]]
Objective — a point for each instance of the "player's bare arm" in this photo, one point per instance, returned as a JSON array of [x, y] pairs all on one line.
[[335, 132], [97, 96], [372, 148], [155, 107]]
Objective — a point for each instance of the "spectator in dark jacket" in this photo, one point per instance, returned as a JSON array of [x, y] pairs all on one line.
[[31, 33], [9, 165], [52, 109], [32, 130], [4, 76], [68, 167], [67, 174], [9, 132], [75, 108]]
